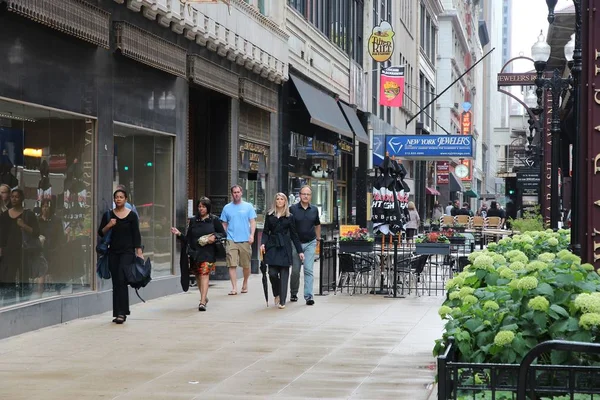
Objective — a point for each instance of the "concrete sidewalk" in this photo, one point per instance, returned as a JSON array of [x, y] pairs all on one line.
[[344, 347]]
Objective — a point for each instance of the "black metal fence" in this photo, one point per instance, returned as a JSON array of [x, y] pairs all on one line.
[[519, 382], [328, 266], [390, 268]]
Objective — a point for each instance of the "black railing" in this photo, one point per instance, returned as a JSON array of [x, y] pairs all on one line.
[[328, 259], [458, 380]]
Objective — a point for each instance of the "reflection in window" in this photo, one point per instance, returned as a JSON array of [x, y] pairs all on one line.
[[254, 192], [322, 193], [294, 186], [48, 155], [144, 164]]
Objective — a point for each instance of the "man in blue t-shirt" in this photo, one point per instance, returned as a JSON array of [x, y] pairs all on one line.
[[239, 221]]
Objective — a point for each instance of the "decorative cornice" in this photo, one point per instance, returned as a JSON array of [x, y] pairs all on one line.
[[74, 17], [150, 49], [254, 12]]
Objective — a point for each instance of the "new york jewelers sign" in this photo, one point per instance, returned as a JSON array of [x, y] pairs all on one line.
[[429, 146]]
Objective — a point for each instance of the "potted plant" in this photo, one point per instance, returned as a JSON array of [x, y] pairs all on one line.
[[458, 227], [356, 241], [454, 237], [432, 243]]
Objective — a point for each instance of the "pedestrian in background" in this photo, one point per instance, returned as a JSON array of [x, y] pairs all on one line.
[[125, 244], [239, 221], [308, 226], [203, 231], [4, 197], [278, 235], [413, 223]]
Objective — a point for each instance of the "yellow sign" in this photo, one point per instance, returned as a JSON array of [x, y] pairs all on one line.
[[381, 42], [345, 229]]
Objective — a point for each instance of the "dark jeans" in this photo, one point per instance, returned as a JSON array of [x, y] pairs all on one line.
[[117, 264], [279, 277]]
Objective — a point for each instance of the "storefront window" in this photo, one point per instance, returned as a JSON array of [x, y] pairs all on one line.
[[322, 194], [342, 201], [294, 185], [254, 192], [49, 156], [144, 164]]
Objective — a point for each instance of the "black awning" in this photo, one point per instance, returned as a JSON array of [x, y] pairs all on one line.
[[455, 183], [322, 108], [359, 131]]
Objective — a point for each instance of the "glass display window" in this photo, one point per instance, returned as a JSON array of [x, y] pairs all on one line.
[[322, 198], [295, 183], [254, 186], [143, 162], [48, 155], [342, 203]]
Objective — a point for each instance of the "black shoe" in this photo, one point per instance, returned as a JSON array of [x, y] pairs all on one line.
[[202, 307], [310, 302], [294, 298]]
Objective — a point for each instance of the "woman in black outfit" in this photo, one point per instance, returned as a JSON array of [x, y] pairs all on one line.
[[278, 234], [125, 242], [53, 240], [17, 224], [203, 231]]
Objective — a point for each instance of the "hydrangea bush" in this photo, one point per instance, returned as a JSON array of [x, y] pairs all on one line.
[[520, 292]]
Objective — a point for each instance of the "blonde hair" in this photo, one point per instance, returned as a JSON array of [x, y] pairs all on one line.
[[411, 205], [286, 208]]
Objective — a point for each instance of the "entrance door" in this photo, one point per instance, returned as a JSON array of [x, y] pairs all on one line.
[[209, 131]]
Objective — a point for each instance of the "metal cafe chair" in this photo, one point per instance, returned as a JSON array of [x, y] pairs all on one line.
[[354, 268]]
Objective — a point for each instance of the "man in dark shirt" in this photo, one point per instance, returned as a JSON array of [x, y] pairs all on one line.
[[308, 226], [455, 209]]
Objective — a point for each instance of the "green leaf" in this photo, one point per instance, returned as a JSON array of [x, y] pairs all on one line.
[[559, 357], [582, 336], [572, 324], [465, 349], [480, 274], [544, 289], [540, 319], [559, 310], [484, 338], [492, 279], [561, 297], [473, 324], [564, 279], [510, 327]]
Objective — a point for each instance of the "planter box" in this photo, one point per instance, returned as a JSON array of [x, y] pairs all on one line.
[[457, 240], [433, 248], [460, 380], [355, 246]]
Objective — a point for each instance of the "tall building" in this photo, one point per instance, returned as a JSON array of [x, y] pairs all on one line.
[[461, 107], [173, 100], [505, 102], [494, 13], [323, 103]]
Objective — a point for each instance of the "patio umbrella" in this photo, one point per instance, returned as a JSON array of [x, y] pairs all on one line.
[[263, 270]]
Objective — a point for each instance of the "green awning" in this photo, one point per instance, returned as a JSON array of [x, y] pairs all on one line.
[[471, 193]]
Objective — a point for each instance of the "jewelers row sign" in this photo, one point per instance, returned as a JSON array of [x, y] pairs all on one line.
[[590, 89]]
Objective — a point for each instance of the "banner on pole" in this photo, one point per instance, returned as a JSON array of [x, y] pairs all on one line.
[[392, 87]]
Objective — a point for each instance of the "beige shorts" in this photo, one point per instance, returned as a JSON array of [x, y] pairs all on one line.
[[238, 254]]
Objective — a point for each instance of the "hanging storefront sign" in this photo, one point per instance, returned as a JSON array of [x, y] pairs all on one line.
[[429, 146], [391, 87], [381, 42], [253, 157], [442, 170], [345, 147], [466, 123]]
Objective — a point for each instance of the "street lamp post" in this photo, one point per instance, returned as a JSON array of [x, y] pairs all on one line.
[[540, 52]]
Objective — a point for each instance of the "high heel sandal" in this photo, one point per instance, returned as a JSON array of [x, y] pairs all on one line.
[[124, 318], [120, 319]]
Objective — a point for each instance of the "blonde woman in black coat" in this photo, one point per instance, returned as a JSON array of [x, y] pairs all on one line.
[[278, 234]]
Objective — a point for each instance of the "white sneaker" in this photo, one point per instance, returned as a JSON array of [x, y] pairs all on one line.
[[281, 306]]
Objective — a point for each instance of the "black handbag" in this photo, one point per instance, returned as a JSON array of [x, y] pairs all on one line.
[[220, 252]]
